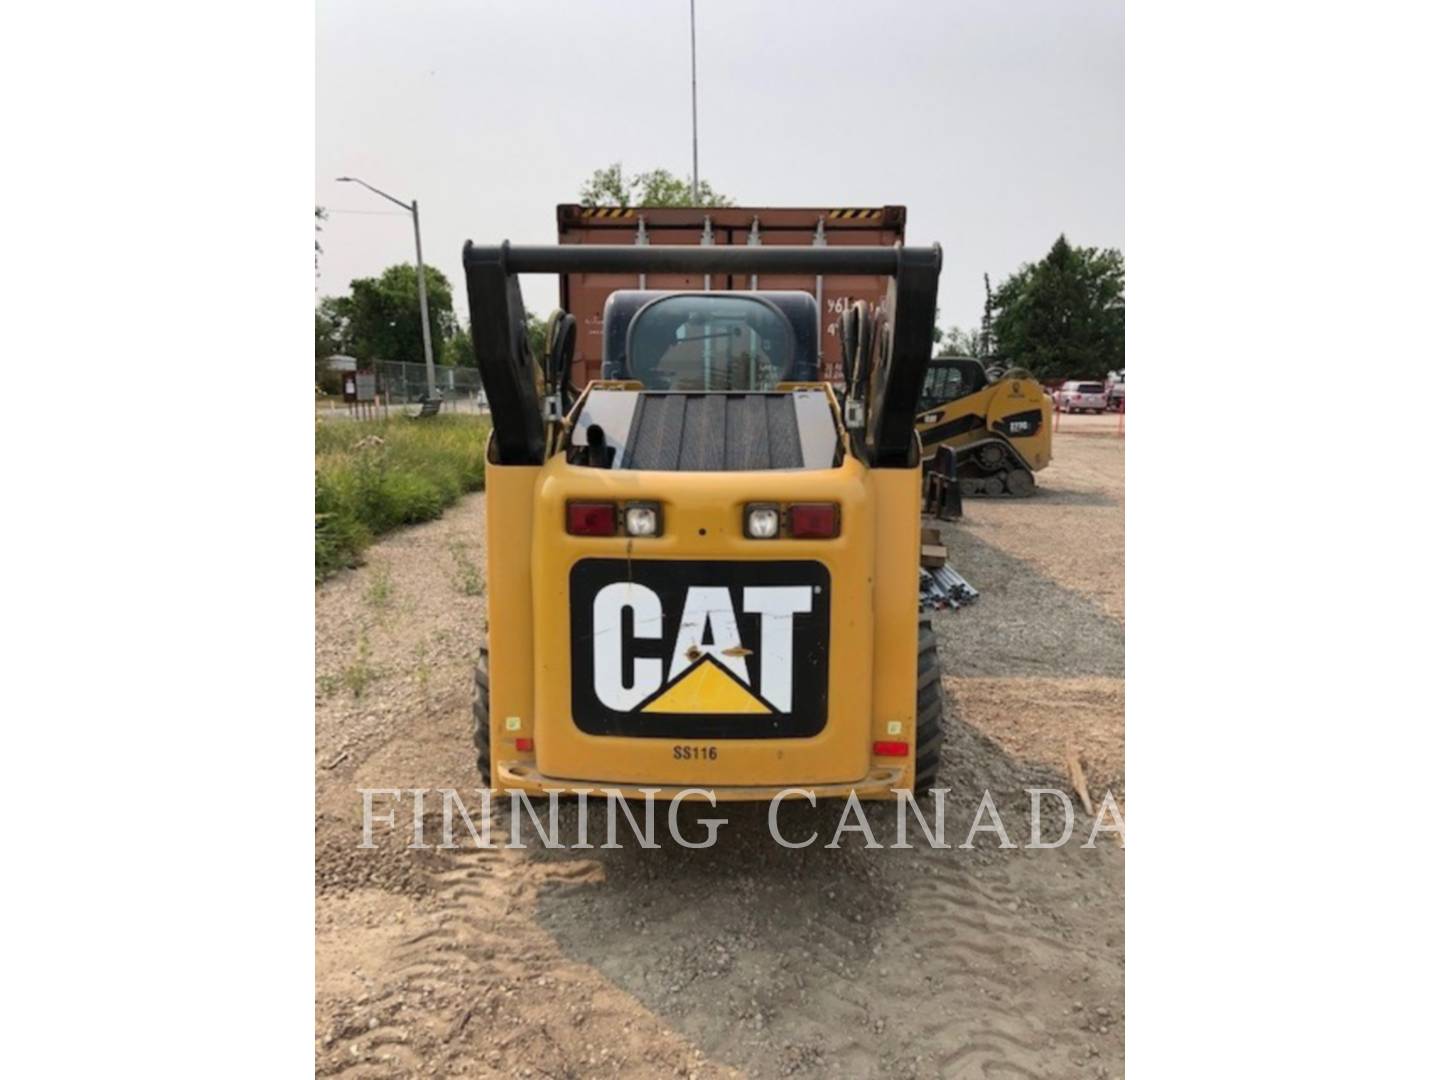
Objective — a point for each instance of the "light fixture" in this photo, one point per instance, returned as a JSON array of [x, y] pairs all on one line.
[[642, 519], [762, 521]]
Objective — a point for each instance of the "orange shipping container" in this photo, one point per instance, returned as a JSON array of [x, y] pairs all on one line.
[[584, 295]]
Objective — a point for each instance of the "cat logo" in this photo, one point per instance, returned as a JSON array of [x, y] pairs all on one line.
[[662, 648]]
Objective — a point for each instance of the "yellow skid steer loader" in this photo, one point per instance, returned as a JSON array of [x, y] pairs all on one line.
[[1001, 430], [702, 567]]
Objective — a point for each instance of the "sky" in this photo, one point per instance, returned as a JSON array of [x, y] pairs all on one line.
[[998, 123]]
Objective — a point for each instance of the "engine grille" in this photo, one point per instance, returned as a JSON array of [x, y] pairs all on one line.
[[713, 433]]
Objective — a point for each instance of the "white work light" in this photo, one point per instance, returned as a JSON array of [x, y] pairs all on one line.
[[762, 522], [642, 520]]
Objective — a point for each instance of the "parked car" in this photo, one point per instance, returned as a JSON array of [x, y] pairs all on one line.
[[1076, 396], [1115, 390]]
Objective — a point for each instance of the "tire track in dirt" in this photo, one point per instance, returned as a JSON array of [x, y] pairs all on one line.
[[864, 963], [476, 988]]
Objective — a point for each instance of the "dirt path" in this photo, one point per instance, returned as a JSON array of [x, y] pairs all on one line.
[[745, 958]]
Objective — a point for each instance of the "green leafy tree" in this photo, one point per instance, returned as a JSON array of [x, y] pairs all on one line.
[[329, 341], [535, 331], [658, 187], [460, 349], [330, 327], [958, 342], [320, 217], [987, 323], [1064, 315], [382, 315]]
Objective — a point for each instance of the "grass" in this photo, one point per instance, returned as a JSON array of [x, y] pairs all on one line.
[[361, 673], [379, 589], [467, 574], [374, 476]]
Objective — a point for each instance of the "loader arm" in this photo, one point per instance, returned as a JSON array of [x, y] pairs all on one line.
[[497, 326]]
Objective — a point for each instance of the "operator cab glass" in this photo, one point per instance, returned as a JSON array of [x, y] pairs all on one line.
[[710, 342], [950, 378]]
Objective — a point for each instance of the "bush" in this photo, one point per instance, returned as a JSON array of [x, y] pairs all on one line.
[[374, 476]]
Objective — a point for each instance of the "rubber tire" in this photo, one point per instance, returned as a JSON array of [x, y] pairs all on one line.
[[480, 708], [929, 711]]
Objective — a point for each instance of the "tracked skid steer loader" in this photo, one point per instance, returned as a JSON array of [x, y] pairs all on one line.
[[702, 567], [1000, 430]]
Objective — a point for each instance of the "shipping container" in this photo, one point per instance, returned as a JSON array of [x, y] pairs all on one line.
[[584, 295]]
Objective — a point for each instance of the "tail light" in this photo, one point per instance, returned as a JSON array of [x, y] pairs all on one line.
[[590, 519], [524, 745], [814, 521], [892, 749], [606, 519], [800, 521]]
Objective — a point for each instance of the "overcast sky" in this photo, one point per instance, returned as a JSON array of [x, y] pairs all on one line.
[[999, 123]]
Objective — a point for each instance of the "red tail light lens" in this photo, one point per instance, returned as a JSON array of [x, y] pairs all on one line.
[[814, 521], [523, 744], [892, 749], [590, 518]]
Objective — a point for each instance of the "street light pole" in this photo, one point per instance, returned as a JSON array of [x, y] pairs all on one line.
[[424, 306], [694, 119], [414, 208]]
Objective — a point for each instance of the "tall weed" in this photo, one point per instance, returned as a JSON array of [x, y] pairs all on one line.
[[374, 476]]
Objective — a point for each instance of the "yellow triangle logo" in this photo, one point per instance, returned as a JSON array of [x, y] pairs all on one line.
[[705, 688]]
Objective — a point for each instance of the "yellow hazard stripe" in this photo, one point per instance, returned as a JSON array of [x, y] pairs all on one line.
[[607, 212], [855, 215]]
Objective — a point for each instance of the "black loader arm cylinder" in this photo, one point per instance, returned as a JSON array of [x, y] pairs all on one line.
[[497, 323]]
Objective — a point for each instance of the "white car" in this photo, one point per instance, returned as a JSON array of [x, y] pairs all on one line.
[[1115, 389], [1076, 396]]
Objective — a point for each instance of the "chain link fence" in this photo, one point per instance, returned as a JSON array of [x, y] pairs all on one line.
[[405, 383], [398, 384]]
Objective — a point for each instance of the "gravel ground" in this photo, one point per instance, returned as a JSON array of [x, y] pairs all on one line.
[[746, 958], [1039, 660]]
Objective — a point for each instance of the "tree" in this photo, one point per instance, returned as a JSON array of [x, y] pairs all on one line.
[[329, 339], [535, 330], [658, 187], [460, 350], [987, 323], [957, 342], [1065, 315], [381, 316], [320, 217]]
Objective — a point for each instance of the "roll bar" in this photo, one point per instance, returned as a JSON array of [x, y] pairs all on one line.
[[689, 259], [502, 349]]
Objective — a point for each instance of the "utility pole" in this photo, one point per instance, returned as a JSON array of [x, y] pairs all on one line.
[[414, 208], [424, 306], [694, 119]]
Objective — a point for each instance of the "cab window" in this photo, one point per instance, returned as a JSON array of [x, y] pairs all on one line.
[[710, 342], [946, 383]]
